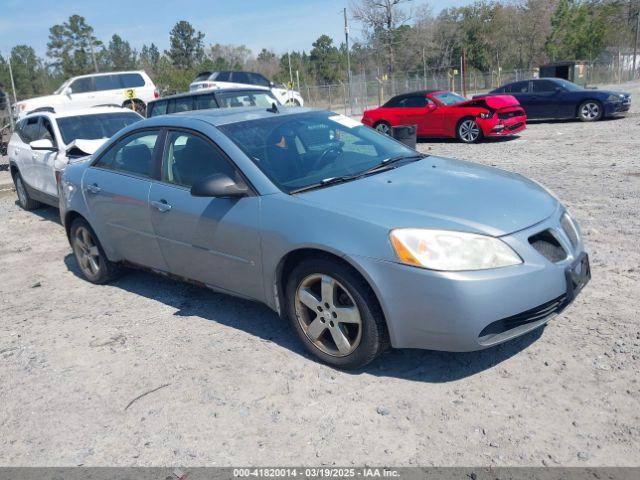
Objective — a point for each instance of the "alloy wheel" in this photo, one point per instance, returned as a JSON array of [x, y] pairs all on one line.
[[469, 131], [328, 315], [383, 128], [87, 252], [590, 111]]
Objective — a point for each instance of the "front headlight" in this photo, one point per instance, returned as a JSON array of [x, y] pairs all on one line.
[[451, 251], [485, 115]]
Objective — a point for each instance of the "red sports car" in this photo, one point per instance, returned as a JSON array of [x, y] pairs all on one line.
[[438, 113]]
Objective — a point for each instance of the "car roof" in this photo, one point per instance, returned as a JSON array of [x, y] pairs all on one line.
[[226, 116], [418, 92], [102, 74], [210, 91]]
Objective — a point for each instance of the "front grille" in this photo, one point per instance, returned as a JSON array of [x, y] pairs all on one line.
[[533, 315], [511, 114], [569, 230], [515, 126], [548, 246]]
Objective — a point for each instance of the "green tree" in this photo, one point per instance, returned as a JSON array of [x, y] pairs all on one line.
[[326, 60], [73, 47], [120, 55], [186, 47], [149, 58]]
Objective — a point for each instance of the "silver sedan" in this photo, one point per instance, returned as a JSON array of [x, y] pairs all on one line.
[[358, 240]]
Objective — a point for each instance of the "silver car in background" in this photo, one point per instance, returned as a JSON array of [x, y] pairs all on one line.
[[358, 240]]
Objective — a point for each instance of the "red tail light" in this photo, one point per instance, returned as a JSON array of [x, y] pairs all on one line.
[[156, 94], [58, 177]]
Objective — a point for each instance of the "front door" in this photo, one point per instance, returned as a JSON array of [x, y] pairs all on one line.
[[117, 189], [211, 240]]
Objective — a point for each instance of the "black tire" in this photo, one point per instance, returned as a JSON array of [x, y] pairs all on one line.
[[137, 106], [107, 270], [24, 200], [465, 128], [383, 127], [590, 111], [373, 338], [292, 103]]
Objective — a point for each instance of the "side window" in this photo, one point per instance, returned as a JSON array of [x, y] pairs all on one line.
[[222, 77], [30, 130], [257, 79], [518, 87], [188, 158], [130, 80], [416, 101], [240, 77], [543, 86], [46, 131], [106, 82], [183, 104], [133, 154], [82, 85], [206, 101], [157, 108]]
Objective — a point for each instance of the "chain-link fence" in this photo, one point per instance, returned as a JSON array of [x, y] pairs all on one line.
[[370, 91]]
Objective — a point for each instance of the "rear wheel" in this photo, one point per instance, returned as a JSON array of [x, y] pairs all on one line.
[[383, 127], [24, 200], [93, 262], [469, 131], [335, 313], [137, 106], [590, 111]]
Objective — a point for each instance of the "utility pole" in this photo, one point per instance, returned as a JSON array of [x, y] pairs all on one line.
[[13, 85], [346, 38], [93, 55], [635, 44], [424, 68]]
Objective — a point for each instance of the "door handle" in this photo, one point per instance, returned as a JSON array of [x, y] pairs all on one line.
[[93, 188], [162, 205]]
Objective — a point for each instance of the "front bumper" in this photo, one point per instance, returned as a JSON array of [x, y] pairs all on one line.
[[615, 108], [462, 311], [499, 127]]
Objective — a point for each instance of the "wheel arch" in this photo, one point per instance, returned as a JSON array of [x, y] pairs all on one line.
[[295, 257], [69, 217], [581, 102]]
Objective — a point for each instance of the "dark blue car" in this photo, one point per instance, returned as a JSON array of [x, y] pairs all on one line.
[[557, 98]]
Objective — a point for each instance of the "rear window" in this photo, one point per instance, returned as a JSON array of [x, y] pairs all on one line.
[[204, 102], [107, 82], [183, 104]]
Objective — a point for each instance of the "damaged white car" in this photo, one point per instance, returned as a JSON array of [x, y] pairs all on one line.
[[44, 142]]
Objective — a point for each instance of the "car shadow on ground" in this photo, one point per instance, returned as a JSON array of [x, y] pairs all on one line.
[[505, 139], [260, 321], [572, 120], [46, 212]]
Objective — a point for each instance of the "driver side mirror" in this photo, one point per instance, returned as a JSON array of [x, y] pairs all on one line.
[[219, 185], [43, 144], [431, 106], [68, 92]]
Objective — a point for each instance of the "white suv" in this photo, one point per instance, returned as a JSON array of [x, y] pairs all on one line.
[[43, 143], [228, 79], [98, 89]]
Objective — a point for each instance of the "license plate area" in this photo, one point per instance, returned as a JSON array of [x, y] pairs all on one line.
[[578, 275]]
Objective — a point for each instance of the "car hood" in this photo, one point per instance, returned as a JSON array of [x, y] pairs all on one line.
[[37, 102], [491, 101], [440, 193], [87, 147]]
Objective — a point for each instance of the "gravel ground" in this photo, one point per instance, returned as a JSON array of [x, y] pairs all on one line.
[[232, 386]]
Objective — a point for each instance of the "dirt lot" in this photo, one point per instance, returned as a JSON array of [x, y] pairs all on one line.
[[233, 386]]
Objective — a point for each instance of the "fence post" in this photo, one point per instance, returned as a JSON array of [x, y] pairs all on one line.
[[329, 97]]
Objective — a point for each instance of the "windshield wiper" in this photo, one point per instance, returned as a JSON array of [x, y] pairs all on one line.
[[324, 182], [387, 163]]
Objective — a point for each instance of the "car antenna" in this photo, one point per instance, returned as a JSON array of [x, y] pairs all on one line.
[[273, 109]]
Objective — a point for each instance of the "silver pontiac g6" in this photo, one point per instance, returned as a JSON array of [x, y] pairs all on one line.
[[358, 240]]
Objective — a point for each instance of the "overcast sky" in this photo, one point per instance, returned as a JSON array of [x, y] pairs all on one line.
[[277, 24]]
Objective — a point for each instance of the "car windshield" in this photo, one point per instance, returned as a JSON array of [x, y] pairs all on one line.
[[449, 98], [302, 150], [95, 126], [202, 77], [62, 87]]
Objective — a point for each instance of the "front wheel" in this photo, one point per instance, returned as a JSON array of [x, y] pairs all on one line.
[[590, 111], [93, 263], [469, 131], [335, 313]]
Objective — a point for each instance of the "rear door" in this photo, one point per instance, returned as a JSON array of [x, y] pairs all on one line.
[[108, 90], [211, 240], [116, 188]]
